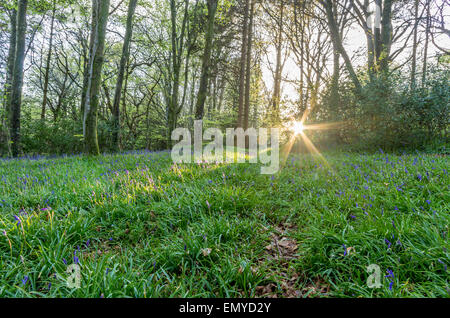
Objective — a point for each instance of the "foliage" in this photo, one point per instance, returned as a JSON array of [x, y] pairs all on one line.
[[389, 114], [140, 226]]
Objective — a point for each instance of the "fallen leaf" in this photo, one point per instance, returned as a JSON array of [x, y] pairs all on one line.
[[206, 251]]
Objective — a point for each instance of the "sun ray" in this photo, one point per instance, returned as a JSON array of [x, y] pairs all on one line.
[[298, 128], [312, 149]]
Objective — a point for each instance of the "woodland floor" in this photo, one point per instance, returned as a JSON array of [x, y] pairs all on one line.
[[139, 226]]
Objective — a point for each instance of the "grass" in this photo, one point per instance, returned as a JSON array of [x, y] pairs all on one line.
[[139, 226]]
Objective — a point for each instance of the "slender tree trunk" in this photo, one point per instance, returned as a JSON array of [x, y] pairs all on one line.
[[335, 81], [302, 56], [414, 52], [377, 34], [370, 40], [123, 61], [248, 67], [386, 36], [9, 75], [88, 65], [17, 78], [177, 45], [204, 78], [335, 78], [92, 103], [222, 91], [173, 104], [278, 67], [427, 41], [242, 65], [47, 66], [337, 44]]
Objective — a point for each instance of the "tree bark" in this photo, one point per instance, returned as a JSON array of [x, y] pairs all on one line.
[[386, 36], [9, 75], [47, 66], [278, 67], [242, 66], [123, 61], [17, 78], [248, 68], [414, 52], [204, 78], [335, 78], [88, 65], [92, 102], [337, 43], [427, 40], [177, 47]]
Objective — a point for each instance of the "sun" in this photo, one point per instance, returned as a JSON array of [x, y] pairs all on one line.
[[297, 127]]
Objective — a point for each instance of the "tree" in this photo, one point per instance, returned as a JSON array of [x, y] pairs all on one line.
[[123, 61], [276, 13], [17, 77], [414, 52], [242, 65], [206, 60], [9, 74], [100, 19], [337, 42], [47, 68], [177, 49], [248, 69]]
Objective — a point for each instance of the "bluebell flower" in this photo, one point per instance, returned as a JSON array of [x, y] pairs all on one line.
[[445, 266], [387, 242]]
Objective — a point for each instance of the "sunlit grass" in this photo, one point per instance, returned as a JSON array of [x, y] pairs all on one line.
[[140, 225]]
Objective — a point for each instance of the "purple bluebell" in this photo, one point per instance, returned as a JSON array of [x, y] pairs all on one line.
[[387, 242]]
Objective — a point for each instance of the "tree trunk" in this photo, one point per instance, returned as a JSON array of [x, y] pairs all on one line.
[[414, 52], [335, 78], [369, 40], [335, 81], [204, 78], [88, 65], [386, 36], [242, 66], [17, 78], [427, 40], [123, 61], [278, 67], [93, 95], [9, 75], [248, 70], [47, 66], [337, 43]]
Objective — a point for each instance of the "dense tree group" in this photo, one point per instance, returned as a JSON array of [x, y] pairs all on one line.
[[100, 75]]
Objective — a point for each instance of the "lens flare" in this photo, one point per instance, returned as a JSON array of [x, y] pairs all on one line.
[[297, 127]]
